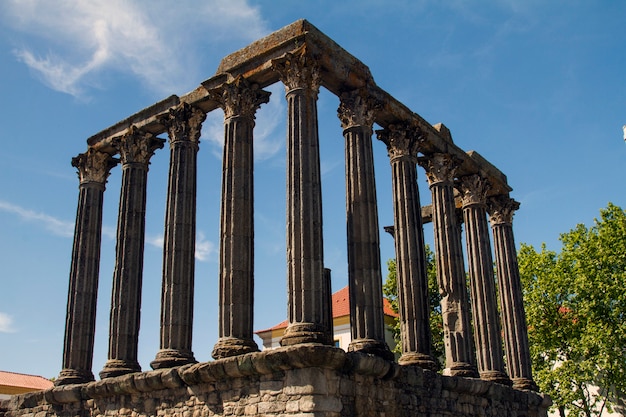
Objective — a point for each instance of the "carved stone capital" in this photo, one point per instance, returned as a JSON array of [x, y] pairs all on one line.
[[240, 98], [184, 123], [402, 140], [474, 189], [94, 166], [440, 168], [357, 109], [298, 70], [137, 146], [501, 209]]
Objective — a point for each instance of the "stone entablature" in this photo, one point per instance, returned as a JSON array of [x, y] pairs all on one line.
[[303, 380]]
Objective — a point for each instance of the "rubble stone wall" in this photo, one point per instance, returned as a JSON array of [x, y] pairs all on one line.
[[294, 381]]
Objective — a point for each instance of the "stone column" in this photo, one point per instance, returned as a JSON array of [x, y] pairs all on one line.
[[402, 145], [93, 170], [240, 100], [440, 170], [501, 210], [135, 148], [487, 338], [183, 125], [356, 113], [307, 298]]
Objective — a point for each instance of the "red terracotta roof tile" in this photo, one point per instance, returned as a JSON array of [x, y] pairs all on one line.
[[341, 308], [13, 379]]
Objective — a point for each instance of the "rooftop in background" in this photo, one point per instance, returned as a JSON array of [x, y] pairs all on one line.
[[13, 383], [341, 308]]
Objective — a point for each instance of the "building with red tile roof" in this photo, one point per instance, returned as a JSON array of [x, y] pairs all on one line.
[[12, 383], [341, 323]]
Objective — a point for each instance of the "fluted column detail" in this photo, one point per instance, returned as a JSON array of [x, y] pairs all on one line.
[[501, 210], [402, 145], [440, 170], [239, 100], [487, 338], [356, 113], [135, 149], [307, 297], [93, 170], [183, 125]]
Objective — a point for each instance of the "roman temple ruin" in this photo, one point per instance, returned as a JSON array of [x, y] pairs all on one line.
[[487, 362]]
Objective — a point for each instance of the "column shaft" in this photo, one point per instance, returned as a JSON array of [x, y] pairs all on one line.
[[236, 293], [93, 169], [364, 271], [440, 169], [307, 297], [183, 124], [402, 145], [488, 342], [135, 149], [518, 361]]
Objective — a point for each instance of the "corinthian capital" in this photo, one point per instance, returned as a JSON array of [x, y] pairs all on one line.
[[137, 146], [298, 70], [501, 209], [184, 123], [94, 166], [440, 167], [473, 189], [402, 140], [240, 98], [357, 109]]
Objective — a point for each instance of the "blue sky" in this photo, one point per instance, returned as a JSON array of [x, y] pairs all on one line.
[[538, 88]]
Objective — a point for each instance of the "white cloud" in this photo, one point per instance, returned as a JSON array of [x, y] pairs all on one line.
[[204, 248], [6, 323], [267, 140], [56, 226], [155, 41]]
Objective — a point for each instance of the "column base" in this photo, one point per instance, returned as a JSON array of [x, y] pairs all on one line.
[[299, 333], [169, 358], [117, 367], [498, 377], [422, 360], [372, 346], [232, 346], [525, 384], [461, 369], [73, 376]]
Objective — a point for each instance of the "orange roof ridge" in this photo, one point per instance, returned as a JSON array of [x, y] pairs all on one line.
[[16, 379], [341, 307]]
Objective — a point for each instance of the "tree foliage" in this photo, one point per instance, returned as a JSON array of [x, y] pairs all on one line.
[[576, 313], [390, 291]]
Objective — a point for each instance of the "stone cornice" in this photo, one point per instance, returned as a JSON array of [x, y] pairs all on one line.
[[339, 72]]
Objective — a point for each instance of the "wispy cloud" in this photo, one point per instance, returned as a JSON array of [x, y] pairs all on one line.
[[6, 323], [205, 249], [267, 140], [52, 224], [155, 41]]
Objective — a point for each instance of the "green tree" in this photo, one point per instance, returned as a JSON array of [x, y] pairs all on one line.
[[576, 313], [390, 291]]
